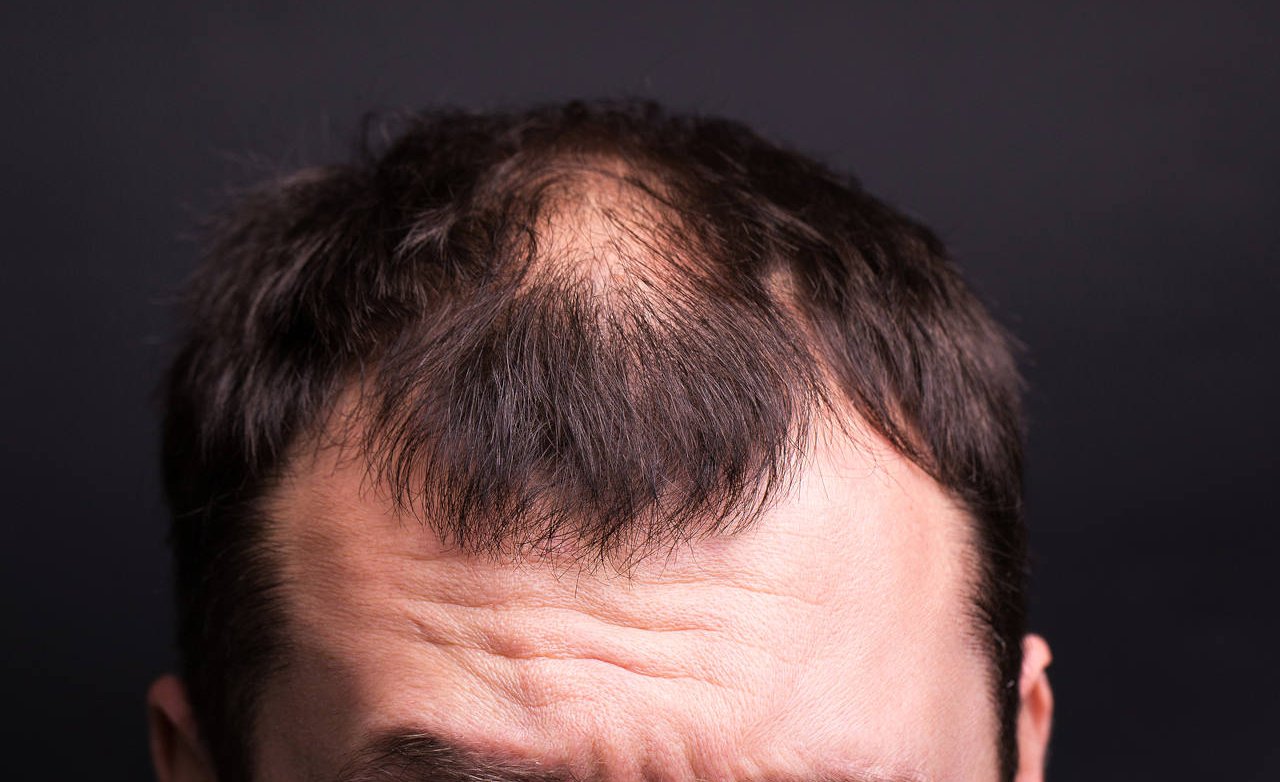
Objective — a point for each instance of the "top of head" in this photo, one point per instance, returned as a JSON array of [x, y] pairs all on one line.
[[520, 322], [593, 329]]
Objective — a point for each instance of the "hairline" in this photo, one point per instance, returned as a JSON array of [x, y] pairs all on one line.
[[270, 512], [995, 583]]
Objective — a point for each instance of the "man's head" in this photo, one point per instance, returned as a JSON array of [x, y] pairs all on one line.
[[592, 442]]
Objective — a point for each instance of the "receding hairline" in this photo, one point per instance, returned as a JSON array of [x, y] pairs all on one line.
[[590, 205], [413, 752], [603, 257], [265, 340], [592, 199]]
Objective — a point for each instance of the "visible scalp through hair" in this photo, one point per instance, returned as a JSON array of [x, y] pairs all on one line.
[[591, 324]]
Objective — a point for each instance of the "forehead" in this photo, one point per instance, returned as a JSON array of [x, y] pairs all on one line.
[[833, 634]]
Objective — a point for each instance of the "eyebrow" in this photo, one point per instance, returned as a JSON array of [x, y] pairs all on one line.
[[416, 756]]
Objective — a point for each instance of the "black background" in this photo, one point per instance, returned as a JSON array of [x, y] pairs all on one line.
[[1108, 176]]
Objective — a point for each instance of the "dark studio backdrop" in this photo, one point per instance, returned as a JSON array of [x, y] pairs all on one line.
[[1108, 176]]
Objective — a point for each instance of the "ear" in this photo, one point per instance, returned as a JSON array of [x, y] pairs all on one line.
[[1035, 716], [176, 750]]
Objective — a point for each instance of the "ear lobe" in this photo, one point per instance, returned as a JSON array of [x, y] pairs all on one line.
[[1035, 716], [176, 751]]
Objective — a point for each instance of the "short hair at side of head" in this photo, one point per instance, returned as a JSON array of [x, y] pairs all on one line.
[[598, 323]]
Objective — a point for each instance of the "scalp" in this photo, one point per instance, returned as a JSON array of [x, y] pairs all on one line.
[[598, 326]]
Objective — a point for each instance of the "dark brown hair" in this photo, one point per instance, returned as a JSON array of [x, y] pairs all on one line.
[[650, 380]]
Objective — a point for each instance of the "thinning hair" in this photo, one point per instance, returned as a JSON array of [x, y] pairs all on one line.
[[595, 324]]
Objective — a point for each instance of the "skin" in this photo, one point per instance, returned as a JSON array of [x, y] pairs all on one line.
[[832, 637]]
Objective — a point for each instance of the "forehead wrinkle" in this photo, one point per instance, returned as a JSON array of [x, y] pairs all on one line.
[[606, 599], [534, 641], [412, 755], [361, 537], [538, 630]]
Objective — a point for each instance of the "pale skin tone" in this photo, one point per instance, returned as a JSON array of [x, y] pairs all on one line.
[[832, 638]]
